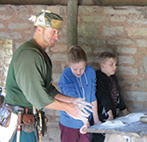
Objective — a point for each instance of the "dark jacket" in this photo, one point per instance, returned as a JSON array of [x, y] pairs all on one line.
[[103, 95]]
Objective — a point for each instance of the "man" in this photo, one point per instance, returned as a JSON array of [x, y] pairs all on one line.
[[29, 79]]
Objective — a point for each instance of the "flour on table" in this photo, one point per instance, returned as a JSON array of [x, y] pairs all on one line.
[[122, 121], [132, 117], [113, 123]]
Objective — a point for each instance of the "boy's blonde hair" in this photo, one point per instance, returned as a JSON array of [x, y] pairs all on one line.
[[104, 56], [76, 54]]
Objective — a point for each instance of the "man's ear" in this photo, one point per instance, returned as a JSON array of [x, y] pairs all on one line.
[[39, 29]]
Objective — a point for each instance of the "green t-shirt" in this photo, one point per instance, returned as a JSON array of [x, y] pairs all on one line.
[[29, 79]]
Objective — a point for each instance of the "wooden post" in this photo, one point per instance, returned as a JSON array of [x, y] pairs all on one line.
[[72, 11]]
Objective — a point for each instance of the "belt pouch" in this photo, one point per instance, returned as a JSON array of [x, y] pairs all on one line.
[[28, 123]]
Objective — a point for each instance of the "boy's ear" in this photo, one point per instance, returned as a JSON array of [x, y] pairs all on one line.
[[102, 65]]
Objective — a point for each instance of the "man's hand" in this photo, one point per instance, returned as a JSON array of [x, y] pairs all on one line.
[[82, 105], [82, 108], [75, 108], [73, 111]]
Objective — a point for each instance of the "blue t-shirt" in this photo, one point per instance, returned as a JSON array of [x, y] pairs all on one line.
[[83, 87]]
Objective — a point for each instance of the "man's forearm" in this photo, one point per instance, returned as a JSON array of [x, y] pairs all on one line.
[[69, 108], [57, 105], [64, 98], [74, 107]]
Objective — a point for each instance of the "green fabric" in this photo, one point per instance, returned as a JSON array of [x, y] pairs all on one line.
[[29, 78], [50, 16], [48, 19], [25, 137]]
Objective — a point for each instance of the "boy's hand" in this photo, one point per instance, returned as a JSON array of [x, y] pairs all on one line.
[[125, 112], [110, 115], [85, 126], [98, 122]]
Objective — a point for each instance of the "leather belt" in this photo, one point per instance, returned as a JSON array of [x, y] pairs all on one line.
[[23, 109], [16, 108]]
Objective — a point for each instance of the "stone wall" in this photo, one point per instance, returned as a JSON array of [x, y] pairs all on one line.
[[122, 30], [5, 58]]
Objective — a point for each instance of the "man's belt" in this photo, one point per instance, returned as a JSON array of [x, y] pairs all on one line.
[[15, 109], [37, 119]]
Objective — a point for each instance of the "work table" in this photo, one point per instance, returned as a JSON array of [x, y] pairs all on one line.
[[127, 126]]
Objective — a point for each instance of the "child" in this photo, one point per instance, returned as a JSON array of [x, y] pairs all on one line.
[[108, 91], [77, 80]]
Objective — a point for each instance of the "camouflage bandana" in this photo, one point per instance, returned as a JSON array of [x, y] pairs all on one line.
[[47, 19]]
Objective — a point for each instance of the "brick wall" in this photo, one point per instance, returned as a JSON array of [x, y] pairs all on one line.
[[122, 30]]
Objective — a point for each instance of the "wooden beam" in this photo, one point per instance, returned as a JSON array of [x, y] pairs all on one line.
[[72, 12], [38, 2], [120, 2]]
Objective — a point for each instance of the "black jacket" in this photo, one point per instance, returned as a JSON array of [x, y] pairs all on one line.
[[103, 95]]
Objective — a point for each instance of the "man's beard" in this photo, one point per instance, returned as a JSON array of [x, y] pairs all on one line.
[[47, 42]]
